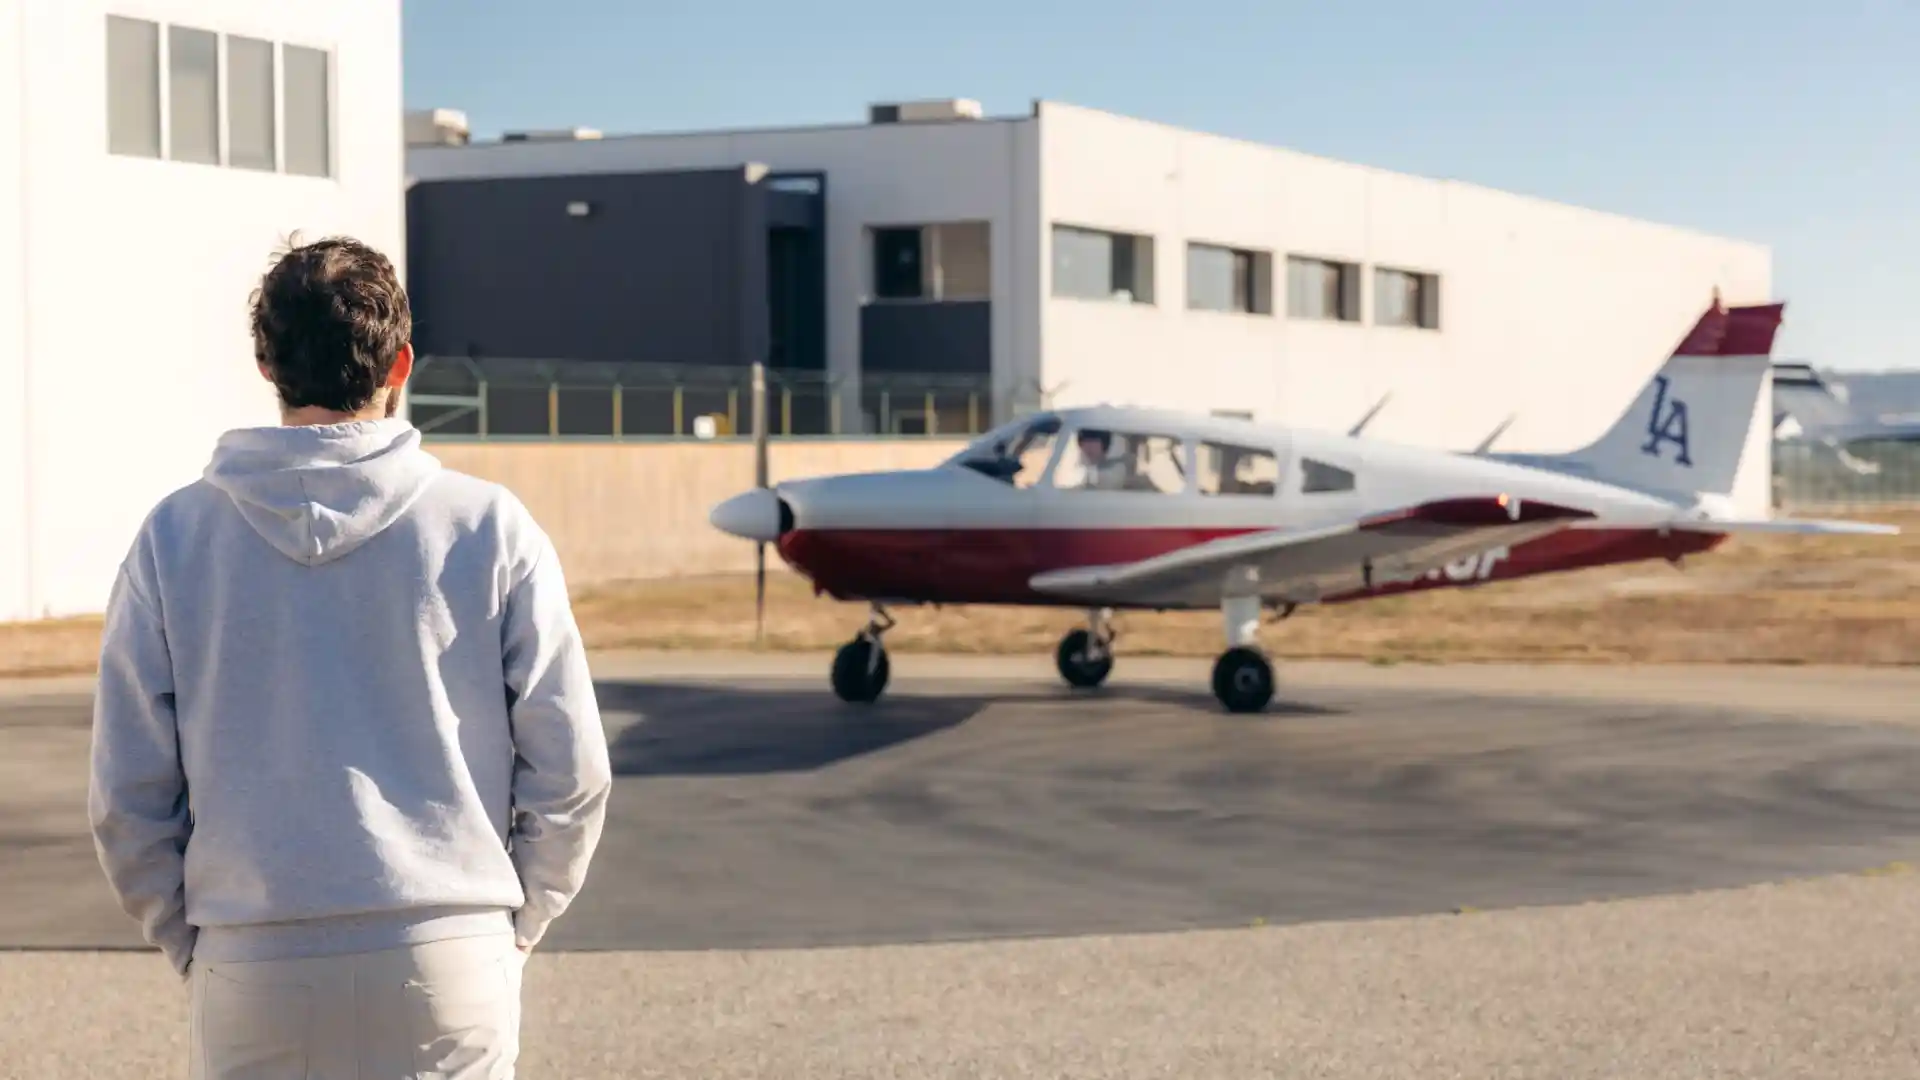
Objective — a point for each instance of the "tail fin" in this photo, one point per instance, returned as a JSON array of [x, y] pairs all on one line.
[[1703, 425]]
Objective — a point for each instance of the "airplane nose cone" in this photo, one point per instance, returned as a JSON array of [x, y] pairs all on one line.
[[750, 515]]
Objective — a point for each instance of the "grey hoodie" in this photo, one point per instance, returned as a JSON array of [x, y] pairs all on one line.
[[351, 678]]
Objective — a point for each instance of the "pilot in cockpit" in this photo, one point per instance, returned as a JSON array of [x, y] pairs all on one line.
[[1097, 470]]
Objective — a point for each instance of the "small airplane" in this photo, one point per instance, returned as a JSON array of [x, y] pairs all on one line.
[[1107, 508], [1808, 410]]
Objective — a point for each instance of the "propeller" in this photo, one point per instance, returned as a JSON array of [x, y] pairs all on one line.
[[759, 481]]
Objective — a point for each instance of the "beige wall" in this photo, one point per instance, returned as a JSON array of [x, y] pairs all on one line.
[[621, 511]]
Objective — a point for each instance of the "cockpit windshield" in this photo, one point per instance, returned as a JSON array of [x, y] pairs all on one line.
[[1014, 453]]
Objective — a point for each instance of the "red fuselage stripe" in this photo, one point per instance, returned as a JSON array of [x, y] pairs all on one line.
[[994, 566]]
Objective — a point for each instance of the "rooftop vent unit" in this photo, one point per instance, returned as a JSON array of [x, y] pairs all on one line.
[[922, 112], [551, 135], [436, 127]]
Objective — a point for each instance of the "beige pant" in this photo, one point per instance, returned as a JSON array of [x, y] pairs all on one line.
[[448, 1010]]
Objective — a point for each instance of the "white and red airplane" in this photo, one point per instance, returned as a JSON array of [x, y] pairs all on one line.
[[1108, 508]]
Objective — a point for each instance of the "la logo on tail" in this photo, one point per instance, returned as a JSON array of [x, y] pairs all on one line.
[[1667, 424]]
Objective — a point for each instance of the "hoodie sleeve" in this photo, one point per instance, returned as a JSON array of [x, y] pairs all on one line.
[[137, 791], [562, 774]]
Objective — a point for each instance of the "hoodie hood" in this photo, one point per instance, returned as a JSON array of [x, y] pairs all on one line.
[[317, 493]]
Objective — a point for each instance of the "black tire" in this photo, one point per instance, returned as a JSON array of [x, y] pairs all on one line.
[[1071, 659], [851, 679], [1243, 680]]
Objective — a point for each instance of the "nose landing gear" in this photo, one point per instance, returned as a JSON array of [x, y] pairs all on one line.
[[1085, 656], [861, 667]]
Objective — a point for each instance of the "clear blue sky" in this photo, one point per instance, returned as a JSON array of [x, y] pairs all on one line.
[[1793, 124]]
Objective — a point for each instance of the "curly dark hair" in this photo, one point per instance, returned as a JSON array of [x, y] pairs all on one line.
[[329, 319]]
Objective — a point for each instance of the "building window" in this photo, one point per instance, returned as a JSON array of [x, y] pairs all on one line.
[[1092, 265], [193, 95], [899, 267], [133, 87], [1229, 279], [1323, 289], [1406, 298], [963, 268], [946, 261], [261, 96], [308, 101], [251, 119]]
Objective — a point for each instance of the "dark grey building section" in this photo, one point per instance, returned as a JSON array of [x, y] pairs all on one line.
[[658, 267], [952, 337], [632, 303], [614, 303]]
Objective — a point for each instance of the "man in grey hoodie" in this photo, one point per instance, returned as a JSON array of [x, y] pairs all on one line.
[[347, 764]]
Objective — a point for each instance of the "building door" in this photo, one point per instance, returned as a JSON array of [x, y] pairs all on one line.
[[796, 324]]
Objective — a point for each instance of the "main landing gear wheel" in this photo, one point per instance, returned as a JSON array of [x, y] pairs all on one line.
[[861, 667], [1081, 661], [1243, 680]]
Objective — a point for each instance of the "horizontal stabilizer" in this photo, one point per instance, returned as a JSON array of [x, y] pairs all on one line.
[[1791, 526]]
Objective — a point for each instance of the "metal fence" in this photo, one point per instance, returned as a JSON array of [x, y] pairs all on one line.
[[542, 399], [1864, 474]]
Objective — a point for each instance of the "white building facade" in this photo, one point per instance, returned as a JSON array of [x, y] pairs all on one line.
[[1130, 262], [154, 155]]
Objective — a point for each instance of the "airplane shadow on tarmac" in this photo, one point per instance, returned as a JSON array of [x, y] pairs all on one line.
[[712, 729]]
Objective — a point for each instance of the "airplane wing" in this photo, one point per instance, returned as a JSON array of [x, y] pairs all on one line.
[[1304, 565]]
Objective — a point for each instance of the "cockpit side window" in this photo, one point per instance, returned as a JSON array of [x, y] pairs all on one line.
[[1102, 460], [1030, 452], [1318, 478], [1016, 454], [1230, 469]]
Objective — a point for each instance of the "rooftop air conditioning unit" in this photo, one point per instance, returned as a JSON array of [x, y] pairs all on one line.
[[920, 112], [437, 127]]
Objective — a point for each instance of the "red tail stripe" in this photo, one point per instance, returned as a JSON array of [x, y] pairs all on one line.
[[1750, 330], [1738, 331]]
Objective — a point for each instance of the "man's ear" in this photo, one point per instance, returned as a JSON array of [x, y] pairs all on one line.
[[402, 367], [265, 372]]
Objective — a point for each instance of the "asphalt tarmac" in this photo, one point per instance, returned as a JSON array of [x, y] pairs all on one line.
[[980, 799]]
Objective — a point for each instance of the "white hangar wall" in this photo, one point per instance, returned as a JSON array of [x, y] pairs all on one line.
[[154, 154], [1552, 313]]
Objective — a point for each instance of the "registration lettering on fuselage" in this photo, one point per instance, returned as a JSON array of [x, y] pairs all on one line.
[[1470, 568]]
